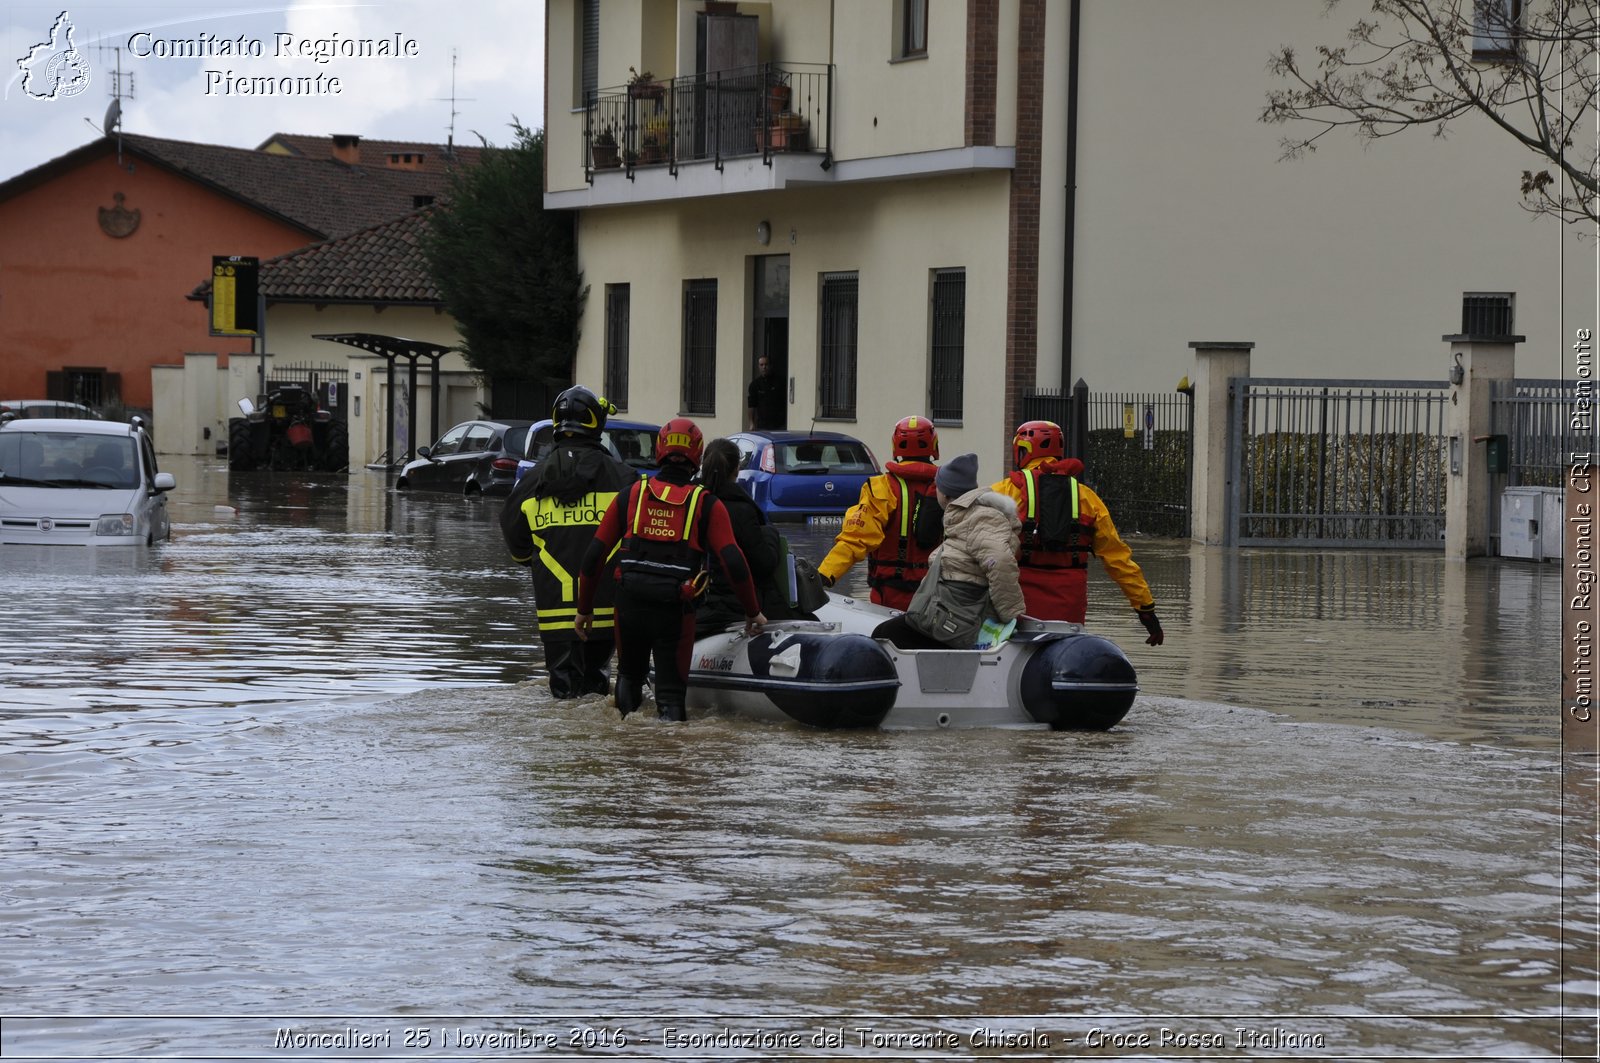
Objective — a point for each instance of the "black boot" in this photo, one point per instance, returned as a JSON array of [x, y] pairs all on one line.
[[671, 711], [629, 694]]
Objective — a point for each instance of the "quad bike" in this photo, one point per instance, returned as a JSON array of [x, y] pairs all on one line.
[[287, 431]]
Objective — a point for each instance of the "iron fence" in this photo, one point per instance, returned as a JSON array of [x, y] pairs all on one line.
[[330, 383], [1137, 451], [756, 110], [1541, 424], [1338, 462]]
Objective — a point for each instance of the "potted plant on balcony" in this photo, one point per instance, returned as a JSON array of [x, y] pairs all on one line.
[[777, 92], [787, 132], [644, 86], [657, 135], [603, 149]]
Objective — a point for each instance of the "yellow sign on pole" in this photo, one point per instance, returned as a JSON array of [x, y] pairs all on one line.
[[1127, 421], [234, 296]]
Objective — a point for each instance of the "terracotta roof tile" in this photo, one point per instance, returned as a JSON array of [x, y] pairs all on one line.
[[380, 264], [326, 197], [436, 158]]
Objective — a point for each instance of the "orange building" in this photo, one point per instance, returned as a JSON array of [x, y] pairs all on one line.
[[100, 247]]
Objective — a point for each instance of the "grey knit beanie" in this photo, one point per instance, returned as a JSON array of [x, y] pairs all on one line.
[[958, 475]]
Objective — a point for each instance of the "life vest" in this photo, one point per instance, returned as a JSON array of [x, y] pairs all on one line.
[[1057, 540], [662, 554], [916, 527]]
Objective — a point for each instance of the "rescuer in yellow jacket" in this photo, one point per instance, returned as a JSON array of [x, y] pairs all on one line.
[[1063, 522], [897, 522]]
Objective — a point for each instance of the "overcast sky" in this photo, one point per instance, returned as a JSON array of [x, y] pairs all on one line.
[[48, 98]]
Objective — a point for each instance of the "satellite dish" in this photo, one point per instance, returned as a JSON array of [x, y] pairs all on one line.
[[113, 117]]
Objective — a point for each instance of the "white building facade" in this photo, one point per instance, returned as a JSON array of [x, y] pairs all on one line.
[[960, 228]]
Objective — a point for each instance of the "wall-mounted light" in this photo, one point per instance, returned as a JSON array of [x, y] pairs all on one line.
[[763, 233], [1458, 372]]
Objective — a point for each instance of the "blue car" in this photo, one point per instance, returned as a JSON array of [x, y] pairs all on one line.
[[634, 442], [804, 476]]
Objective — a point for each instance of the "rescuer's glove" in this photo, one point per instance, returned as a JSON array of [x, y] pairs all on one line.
[[1147, 617]]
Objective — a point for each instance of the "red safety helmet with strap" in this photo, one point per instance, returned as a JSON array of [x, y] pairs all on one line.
[[914, 437], [1037, 439], [680, 438]]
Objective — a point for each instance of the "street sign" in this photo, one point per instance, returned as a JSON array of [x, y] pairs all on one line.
[[234, 296]]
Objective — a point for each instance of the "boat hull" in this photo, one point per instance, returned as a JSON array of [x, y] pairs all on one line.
[[830, 673]]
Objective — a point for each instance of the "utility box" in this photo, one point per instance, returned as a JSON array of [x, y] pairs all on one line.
[[1532, 520]]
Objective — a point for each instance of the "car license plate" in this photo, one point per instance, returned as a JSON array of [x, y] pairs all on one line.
[[825, 520]]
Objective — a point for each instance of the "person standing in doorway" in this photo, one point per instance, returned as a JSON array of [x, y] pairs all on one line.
[[766, 402]]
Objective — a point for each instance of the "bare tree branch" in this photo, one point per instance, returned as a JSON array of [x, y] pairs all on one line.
[[1527, 66]]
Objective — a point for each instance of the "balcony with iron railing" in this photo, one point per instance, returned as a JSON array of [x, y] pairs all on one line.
[[767, 112]]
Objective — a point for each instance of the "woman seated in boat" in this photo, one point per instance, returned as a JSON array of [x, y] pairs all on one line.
[[976, 567]]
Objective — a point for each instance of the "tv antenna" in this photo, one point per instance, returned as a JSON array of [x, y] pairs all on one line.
[[450, 144], [121, 88]]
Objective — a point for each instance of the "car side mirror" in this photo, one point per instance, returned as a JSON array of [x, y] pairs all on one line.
[[425, 452], [164, 481], [247, 407]]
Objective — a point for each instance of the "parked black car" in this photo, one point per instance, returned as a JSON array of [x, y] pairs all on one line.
[[473, 457]]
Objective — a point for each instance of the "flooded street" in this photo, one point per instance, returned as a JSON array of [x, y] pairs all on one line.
[[290, 786]]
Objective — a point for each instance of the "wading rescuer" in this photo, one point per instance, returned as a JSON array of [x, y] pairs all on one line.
[[1063, 522], [897, 522], [669, 530], [549, 521]]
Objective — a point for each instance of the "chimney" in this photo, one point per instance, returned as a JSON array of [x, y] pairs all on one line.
[[347, 148]]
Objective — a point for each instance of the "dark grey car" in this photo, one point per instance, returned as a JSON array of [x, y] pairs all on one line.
[[473, 458]]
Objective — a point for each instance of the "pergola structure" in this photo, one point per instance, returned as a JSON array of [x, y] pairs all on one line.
[[393, 348]]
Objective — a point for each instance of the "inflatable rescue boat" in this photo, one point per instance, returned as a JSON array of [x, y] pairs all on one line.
[[831, 673]]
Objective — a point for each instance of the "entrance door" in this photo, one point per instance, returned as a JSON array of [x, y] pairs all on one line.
[[770, 324]]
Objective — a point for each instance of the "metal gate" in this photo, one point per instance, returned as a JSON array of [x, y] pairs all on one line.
[[1536, 430], [1337, 462], [1137, 451], [330, 383]]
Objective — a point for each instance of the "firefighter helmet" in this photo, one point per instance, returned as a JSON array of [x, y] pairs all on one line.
[[914, 438], [1037, 439], [680, 438], [580, 412]]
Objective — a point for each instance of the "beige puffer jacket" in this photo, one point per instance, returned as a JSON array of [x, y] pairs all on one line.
[[980, 546]]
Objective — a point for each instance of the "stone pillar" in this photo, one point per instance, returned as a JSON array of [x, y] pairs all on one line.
[[1215, 363], [1470, 504], [202, 420]]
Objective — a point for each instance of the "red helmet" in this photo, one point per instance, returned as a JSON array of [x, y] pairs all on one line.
[[914, 437], [680, 438], [1037, 439]]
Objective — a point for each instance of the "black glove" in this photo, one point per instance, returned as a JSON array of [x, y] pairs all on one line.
[[1147, 617], [827, 581]]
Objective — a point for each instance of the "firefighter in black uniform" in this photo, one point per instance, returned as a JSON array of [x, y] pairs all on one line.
[[549, 521], [664, 533]]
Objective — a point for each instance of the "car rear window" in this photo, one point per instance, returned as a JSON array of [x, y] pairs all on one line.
[[822, 456], [635, 446], [515, 442]]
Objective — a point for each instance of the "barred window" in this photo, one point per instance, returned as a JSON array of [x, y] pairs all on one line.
[[699, 384], [618, 298], [947, 344], [836, 369], [1496, 29]]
